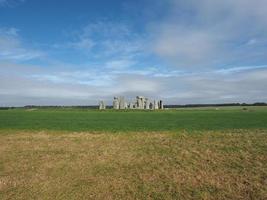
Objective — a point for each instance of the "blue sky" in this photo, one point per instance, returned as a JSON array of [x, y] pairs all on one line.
[[78, 52]]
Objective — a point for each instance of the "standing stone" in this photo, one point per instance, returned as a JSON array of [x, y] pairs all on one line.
[[147, 103], [125, 105], [161, 105], [131, 106], [138, 102], [136, 105], [151, 105], [121, 103], [141, 102], [102, 105], [116, 103], [156, 105]]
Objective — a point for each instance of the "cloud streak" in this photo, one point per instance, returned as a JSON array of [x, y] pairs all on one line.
[[10, 3], [11, 47], [86, 87], [208, 33], [106, 38]]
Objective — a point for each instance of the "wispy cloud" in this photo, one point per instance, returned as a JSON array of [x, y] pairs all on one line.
[[10, 3], [11, 47], [71, 86], [106, 39], [240, 69], [212, 33]]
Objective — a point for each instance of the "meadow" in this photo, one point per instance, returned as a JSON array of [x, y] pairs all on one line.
[[117, 121], [201, 153]]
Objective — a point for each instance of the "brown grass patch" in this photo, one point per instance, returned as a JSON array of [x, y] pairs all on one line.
[[210, 165]]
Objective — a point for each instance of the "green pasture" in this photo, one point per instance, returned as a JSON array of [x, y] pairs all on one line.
[[188, 119], [55, 154]]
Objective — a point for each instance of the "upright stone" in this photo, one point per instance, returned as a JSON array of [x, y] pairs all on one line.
[[131, 106], [141, 102], [151, 106], [161, 105], [147, 103], [102, 105], [138, 102], [125, 105], [116, 105], [121, 103], [156, 105]]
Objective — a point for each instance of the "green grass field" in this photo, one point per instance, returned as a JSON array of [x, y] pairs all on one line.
[[169, 120], [201, 153]]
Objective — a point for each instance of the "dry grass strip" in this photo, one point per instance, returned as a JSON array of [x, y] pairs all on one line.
[[201, 165]]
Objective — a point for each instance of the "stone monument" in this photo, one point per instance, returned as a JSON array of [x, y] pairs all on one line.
[[102, 105], [116, 104], [141, 102]]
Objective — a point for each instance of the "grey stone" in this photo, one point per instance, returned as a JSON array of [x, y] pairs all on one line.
[[125, 105], [102, 105], [147, 104], [140, 103], [116, 104], [156, 105], [121, 103], [161, 106], [131, 106]]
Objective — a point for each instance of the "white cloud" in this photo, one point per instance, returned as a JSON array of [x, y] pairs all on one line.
[[106, 39], [187, 47], [11, 47], [10, 3], [9, 31], [83, 43], [23, 84], [119, 64], [240, 69], [211, 33]]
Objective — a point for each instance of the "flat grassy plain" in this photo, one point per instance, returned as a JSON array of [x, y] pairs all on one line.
[[117, 121], [174, 154]]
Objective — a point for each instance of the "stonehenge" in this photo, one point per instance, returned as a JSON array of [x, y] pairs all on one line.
[[156, 105], [102, 105], [119, 103], [116, 104], [141, 103]]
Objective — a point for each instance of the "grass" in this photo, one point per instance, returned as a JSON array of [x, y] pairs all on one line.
[[147, 165], [112, 121], [204, 153]]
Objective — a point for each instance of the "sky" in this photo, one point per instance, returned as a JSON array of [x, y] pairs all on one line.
[[181, 51]]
